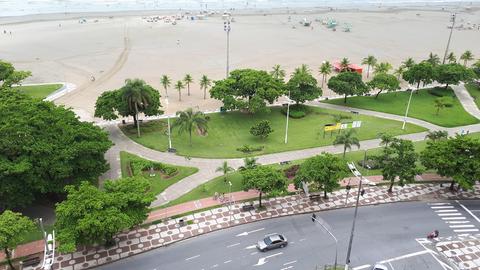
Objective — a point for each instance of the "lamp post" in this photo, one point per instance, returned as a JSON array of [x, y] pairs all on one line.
[[227, 28], [355, 172], [452, 19], [315, 219], [229, 201], [168, 124], [406, 111], [288, 114]]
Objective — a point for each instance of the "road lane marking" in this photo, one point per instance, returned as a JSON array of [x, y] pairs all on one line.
[[442, 207], [251, 247], [247, 233], [287, 263], [457, 222], [263, 260], [449, 214], [229, 261], [214, 266], [232, 245], [405, 256], [453, 218], [433, 254], [468, 211], [290, 267], [303, 239], [253, 253], [191, 258], [441, 203], [466, 230], [462, 226], [362, 267], [446, 211]]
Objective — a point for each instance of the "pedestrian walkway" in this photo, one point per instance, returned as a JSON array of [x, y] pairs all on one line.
[[467, 101], [171, 231]]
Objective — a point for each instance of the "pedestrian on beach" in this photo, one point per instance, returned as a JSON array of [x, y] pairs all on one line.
[[178, 42]]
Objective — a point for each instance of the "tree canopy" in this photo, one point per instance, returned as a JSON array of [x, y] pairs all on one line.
[[90, 215], [261, 129], [422, 72], [265, 179], [44, 147], [112, 104], [347, 84], [303, 86], [9, 76], [247, 89], [384, 82], [457, 157], [323, 171], [452, 74]]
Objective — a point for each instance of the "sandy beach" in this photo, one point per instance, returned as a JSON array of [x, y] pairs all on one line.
[[112, 49]]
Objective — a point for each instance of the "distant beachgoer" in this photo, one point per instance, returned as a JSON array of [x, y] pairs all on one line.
[[92, 78], [10, 32], [4, 31], [178, 41]]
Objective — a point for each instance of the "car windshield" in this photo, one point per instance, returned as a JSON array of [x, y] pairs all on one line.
[[267, 241]]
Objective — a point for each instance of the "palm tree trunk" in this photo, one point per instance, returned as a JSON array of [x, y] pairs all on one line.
[[9, 259], [368, 71], [166, 92], [138, 122], [188, 89], [179, 95], [323, 79], [204, 93], [190, 137]]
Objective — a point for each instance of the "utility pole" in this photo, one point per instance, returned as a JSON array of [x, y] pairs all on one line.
[[227, 28], [452, 19], [288, 115]]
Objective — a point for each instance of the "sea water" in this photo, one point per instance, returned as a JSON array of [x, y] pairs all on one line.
[[26, 7]]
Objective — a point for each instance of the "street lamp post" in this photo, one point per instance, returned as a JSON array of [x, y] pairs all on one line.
[[314, 219], [288, 114], [229, 201], [454, 16], [355, 172], [406, 111], [168, 124], [227, 28]]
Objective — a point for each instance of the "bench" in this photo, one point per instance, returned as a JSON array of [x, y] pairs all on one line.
[[31, 261], [354, 112], [247, 207], [314, 197], [285, 162]]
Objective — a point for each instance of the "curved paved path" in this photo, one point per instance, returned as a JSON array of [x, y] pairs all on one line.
[[207, 167]]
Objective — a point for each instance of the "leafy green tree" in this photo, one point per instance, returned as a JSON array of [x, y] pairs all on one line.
[[457, 157], [383, 67], [385, 138], [466, 56], [261, 129], [325, 70], [324, 171], [265, 179], [249, 163], [43, 148], [303, 86], [422, 72], [344, 65], [442, 102], [398, 162], [166, 82], [348, 139], [370, 61], [188, 80], [384, 82], [476, 68], [205, 83], [13, 228], [437, 135], [452, 59], [9, 76], [452, 74], [225, 169], [188, 121], [277, 72], [248, 90], [347, 84], [433, 59], [138, 96], [93, 216], [112, 104], [179, 86], [408, 63]]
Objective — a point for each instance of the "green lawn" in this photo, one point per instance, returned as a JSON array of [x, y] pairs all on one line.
[[218, 184], [421, 107], [229, 131], [39, 91], [474, 91], [36, 234], [159, 182]]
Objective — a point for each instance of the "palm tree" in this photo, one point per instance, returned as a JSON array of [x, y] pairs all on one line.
[[385, 138], [440, 103], [437, 135], [249, 163], [188, 120], [348, 139], [188, 80], [399, 72], [325, 70], [277, 72], [137, 98], [408, 63], [370, 61], [433, 59], [344, 64], [466, 56], [304, 69], [179, 86], [205, 82], [452, 59], [383, 67], [165, 80], [224, 169]]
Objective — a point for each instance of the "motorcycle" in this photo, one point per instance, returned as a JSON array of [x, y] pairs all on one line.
[[432, 235]]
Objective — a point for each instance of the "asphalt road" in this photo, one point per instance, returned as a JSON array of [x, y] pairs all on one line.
[[386, 233]]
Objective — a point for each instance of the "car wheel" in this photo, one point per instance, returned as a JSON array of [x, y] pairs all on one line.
[[282, 245]]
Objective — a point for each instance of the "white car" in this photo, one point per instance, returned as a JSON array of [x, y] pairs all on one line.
[[380, 267]]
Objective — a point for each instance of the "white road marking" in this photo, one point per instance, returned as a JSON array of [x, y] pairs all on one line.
[[462, 226], [391, 265], [466, 230], [287, 263], [188, 259], [214, 266], [405, 256], [449, 214], [270, 234], [303, 239], [229, 261], [253, 253], [468, 211], [445, 211], [447, 203], [362, 267], [263, 260], [442, 207], [457, 222], [251, 247], [247, 233], [442, 264], [289, 267], [453, 218], [232, 245]]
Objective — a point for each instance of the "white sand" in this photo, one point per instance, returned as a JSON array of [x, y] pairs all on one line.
[[74, 52]]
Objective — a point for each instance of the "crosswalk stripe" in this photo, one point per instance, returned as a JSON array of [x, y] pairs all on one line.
[[449, 214], [442, 203], [446, 211], [457, 222], [453, 218], [461, 226], [441, 207], [466, 230]]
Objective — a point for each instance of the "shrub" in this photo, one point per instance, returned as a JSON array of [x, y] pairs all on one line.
[[261, 129], [337, 118], [296, 111], [439, 92], [291, 171], [249, 149], [138, 166], [370, 164]]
